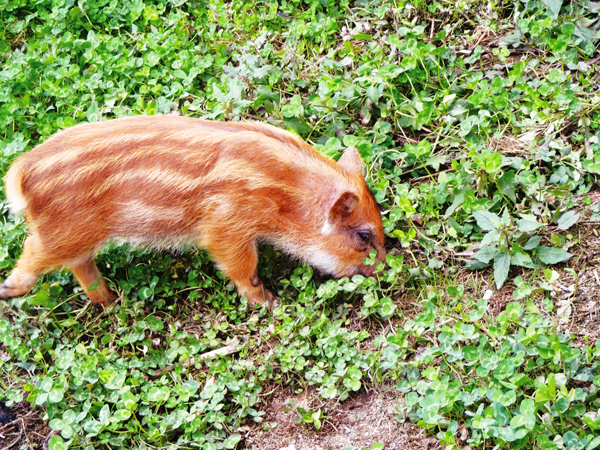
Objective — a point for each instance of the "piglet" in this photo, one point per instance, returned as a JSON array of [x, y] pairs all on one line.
[[169, 182]]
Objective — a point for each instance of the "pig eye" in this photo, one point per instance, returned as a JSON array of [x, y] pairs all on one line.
[[364, 236]]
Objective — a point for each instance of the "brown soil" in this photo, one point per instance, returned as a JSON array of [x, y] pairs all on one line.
[[27, 430], [359, 422], [577, 298], [584, 319]]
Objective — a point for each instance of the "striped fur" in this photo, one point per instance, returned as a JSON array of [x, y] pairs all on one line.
[[166, 181]]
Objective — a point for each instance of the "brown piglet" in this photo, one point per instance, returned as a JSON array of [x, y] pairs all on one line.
[[168, 182]]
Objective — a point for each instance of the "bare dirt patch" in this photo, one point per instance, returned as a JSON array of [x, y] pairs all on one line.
[[578, 305], [585, 317], [578, 293], [359, 422], [22, 427]]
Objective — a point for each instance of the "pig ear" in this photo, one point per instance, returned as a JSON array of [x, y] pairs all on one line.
[[343, 207], [351, 161]]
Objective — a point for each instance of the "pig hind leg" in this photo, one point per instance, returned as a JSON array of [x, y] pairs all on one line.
[[239, 264], [32, 263], [90, 279]]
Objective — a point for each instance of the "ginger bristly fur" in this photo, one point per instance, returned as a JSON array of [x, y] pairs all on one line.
[[163, 181]]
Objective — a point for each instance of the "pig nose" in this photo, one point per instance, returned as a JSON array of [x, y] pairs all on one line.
[[367, 271]]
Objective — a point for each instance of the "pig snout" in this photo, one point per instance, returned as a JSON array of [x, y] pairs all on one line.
[[369, 270]]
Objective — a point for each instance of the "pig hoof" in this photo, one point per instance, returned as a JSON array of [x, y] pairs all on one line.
[[274, 303], [263, 298], [98, 308], [5, 291], [253, 303], [103, 298]]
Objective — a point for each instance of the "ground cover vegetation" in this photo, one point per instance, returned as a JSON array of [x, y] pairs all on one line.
[[478, 122]]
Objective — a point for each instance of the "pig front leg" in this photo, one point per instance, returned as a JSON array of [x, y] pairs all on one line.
[[238, 262]]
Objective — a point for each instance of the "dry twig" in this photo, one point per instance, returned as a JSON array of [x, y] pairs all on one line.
[[227, 350]]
